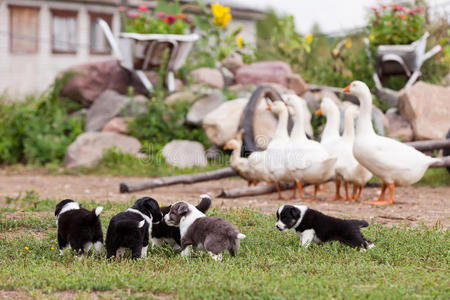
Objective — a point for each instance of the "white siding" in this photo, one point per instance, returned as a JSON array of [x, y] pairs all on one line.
[[22, 74]]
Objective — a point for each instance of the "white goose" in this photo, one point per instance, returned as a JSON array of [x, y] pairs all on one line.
[[307, 160], [347, 166], [392, 161], [331, 139], [276, 149], [238, 163]]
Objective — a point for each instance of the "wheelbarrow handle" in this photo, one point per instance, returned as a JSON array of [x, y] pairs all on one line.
[[110, 37]]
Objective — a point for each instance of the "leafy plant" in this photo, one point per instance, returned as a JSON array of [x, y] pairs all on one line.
[[39, 130], [142, 21], [395, 24]]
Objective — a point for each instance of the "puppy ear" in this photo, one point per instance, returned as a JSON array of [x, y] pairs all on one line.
[[295, 213], [182, 209], [57, 209]]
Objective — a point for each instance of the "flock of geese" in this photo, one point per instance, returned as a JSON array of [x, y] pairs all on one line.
[[350, 159]]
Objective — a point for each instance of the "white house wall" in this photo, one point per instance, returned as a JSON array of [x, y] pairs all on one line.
[[22, 74]]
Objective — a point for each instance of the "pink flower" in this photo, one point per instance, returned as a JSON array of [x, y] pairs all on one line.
[[419, 10], [171, 19], [396, 7], [160, 14], [411, 28], [143, 8], [411, 12], [133, 14]]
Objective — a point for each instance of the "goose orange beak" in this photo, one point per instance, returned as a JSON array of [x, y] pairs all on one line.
[[319, 112], [269, 108], [347, 89], [226, 147]]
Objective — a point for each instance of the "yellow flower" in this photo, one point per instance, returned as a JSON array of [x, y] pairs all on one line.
[[348, 44], [52, 248], [240, 42], [26, 248], [371, 37], [221, 14], [309, 38]]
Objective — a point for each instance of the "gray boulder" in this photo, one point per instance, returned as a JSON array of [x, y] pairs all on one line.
[[398, 127], [88, 147], [184, 154], [211, 77], [203, 106]]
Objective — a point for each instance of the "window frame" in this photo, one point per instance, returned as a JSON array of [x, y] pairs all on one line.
[[64, 13], [10, 31], [92, 18]]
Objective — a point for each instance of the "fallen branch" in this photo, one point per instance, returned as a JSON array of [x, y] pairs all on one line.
[[254, 190], [430, 145], [170, 180], [445, 162]]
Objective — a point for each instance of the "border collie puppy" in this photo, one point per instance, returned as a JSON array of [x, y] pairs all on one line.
[[78, 228], [314, 227], [131, 229], [163, 233], [211, 234]]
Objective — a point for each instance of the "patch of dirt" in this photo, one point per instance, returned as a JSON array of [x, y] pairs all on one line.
[[414, 205], [70, 295]]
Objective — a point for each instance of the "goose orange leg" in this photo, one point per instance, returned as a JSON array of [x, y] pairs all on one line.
[[300, 190], [322, 190], [280, 196], [316, 187], [381, 200], [337, 196], [355, 192], [359, 193], [347, 196]]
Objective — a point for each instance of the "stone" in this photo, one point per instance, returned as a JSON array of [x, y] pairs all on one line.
[[184, 154], [398, 127], [228, 76], [221, 124], [427, 108], [117, 124], [242, 91], [232, 63], [211, 77], [88, 147], [387, 96], [296, 83], [312, 100], [263, 72], [137, 105], [203, 106], [109, 105], [331, 95], [88, 81]]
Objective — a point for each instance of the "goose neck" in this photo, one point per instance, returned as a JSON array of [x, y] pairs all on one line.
[[364, 125], [298, 131], [281, 129]]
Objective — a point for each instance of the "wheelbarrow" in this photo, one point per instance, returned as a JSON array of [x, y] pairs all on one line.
[[402, 60], [142, 52]]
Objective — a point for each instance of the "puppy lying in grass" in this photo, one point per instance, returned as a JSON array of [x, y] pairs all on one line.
[[314, 227], [78, 228], [212, 234]]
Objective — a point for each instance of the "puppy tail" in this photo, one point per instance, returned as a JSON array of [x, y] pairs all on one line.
[[240, 236], [141, 224], [205, 203], [360, 223], [98, 211]]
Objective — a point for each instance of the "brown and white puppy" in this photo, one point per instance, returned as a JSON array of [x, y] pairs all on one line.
[[212, 234]]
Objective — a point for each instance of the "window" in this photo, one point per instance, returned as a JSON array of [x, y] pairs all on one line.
[[23, 29], [64, 31], [98, 44]]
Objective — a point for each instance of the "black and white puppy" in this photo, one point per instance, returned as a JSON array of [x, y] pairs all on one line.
[[131, 229], [78, 228], [163, 233], [314, 227], [211, 234]]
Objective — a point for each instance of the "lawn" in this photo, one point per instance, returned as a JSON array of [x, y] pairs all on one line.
[[406, 262]]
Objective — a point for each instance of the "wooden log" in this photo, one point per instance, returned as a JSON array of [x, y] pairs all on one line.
[[254, 190], [430, 145], [170, 180], [445, 162]]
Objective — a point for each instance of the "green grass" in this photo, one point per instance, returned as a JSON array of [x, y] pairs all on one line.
[[406, 263]]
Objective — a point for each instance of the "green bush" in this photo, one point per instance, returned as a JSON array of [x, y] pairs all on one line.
[[39, 130], [163, 123]]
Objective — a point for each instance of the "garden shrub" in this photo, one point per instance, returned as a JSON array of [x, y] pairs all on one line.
[[38, 130]]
